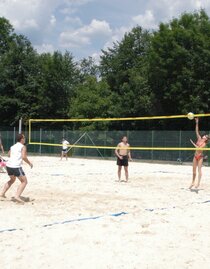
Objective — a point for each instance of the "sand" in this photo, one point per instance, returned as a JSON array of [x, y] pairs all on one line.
[[165, 225]]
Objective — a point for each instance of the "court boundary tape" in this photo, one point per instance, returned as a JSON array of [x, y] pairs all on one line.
[[68, 221], [98, 217]]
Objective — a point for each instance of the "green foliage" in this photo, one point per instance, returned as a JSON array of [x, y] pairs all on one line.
[[179, 62], [93, 99], [125, 68]]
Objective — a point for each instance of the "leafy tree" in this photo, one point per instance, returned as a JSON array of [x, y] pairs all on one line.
[[88, 67], [58, 77], [126, 70], [179, 64], [6, 35], [93, 99], [17, 65]]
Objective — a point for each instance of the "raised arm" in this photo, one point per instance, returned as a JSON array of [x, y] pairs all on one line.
[[197, 128], [193, 143]]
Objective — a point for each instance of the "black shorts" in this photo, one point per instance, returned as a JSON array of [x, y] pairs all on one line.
[[123, 162], [17, 172], [65, 150]]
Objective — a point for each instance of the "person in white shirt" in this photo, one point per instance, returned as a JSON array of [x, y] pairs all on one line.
[[64, 152], [17, 154]]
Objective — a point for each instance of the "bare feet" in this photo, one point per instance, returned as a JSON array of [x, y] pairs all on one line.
[[17, 200], [191, 186], [2, 196]]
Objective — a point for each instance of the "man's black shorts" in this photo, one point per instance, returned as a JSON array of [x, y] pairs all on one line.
[[17, 172], [123, 162]]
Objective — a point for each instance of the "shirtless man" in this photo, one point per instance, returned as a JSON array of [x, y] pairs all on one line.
[[123, 155], [17, 154], [202, 141]]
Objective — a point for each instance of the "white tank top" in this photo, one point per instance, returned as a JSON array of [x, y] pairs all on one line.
[[15, 159]]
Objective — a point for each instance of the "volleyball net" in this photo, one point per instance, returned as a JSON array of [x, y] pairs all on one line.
[[157, 145]]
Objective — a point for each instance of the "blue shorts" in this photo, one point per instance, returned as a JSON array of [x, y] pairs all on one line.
[[17, 172]]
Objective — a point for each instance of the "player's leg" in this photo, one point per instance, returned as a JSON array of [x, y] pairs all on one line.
[[21, 187], [66, 155], [126, 172], [61, 155], [200, 163], [119, 172], [7, 185], [195, 163]]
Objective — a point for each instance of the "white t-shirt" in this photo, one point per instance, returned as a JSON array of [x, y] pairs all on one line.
[[15, 159], [65, 143]]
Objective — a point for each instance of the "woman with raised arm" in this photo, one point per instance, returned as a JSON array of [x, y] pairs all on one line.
[[202, 140]]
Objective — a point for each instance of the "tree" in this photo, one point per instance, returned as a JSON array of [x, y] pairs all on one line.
[[58, 77], [17, 66], [179, 63], [125, 69], [92, 99]]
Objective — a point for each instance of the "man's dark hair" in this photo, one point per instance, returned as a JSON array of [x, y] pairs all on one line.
[[19, 137]]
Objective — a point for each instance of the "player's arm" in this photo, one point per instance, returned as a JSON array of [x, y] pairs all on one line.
[[2, 148], [193, 143], [197, 128], [117, 151], [24, 156], [129, 154]]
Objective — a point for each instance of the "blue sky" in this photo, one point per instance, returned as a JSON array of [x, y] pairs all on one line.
[[84, 27]]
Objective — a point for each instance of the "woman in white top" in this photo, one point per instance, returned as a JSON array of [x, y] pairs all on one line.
[[17, 154]]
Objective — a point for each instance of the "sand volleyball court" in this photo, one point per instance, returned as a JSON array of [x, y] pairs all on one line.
[[77, 216]]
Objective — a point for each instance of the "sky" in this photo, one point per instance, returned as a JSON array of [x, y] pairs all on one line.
[[84, 27]]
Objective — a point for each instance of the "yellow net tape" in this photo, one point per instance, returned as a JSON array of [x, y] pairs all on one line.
[[118, 119], [108, 147], [114, 119]]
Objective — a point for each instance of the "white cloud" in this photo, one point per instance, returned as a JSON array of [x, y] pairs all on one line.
[[73, 20], [96, 27], [73, 39], [84, 35], [146, 21], [28, 14], [52, 20], [62, 24], [25, 24]]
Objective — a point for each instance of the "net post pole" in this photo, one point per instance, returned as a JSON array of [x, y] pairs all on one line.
[[40, 140], [152, 157], [29, 131], [14, 130], [180, 143], [20, 126], [85, 152]]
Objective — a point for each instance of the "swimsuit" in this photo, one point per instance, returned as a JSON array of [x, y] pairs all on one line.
[[198, 156], [123, 161]]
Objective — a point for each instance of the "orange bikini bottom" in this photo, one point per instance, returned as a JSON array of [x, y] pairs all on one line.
[[198, 156]]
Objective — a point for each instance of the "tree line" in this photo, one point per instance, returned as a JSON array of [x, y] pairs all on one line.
[[162, 72]]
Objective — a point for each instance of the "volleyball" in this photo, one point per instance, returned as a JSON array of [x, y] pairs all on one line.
[[190, 116]]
